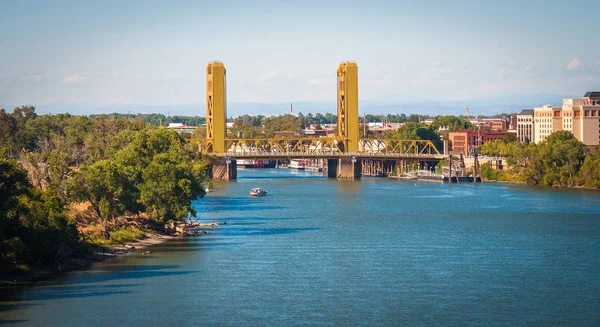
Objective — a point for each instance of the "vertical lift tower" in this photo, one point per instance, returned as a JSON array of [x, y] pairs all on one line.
[[216, 113], [347, 110]]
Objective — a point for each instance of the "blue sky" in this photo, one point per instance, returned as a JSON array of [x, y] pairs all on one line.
[[155, 52]]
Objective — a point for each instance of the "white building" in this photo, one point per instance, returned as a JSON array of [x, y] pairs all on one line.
[[542, 122], [525, 126]]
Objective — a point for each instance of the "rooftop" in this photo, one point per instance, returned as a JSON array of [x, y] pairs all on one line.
[[592, 95], [526, 112]]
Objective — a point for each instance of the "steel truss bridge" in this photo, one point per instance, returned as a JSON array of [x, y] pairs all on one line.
[[345, 153], [326, 147]]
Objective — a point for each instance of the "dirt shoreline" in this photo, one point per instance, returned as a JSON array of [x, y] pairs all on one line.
[[83, 261]]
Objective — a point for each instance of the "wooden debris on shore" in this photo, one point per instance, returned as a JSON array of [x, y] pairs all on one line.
[[193, 228]]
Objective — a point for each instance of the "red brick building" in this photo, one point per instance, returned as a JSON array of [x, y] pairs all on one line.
[[467, 141]]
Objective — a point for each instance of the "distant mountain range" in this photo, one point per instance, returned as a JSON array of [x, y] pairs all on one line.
[[479, 106]]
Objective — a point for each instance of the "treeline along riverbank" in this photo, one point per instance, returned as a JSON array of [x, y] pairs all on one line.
[[560, 160], [70, 185]]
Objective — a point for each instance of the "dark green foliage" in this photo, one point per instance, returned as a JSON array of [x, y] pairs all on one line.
[[453, 123], [560, 160], [116, 164], [33, 225], [590, 170], [417, 131], [556, 161], [490, 174]]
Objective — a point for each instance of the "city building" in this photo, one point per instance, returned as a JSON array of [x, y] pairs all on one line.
[[581, 117], [525, 126], [543, 124], [468, 141]]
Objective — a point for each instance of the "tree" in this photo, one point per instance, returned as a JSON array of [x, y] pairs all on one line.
[[102, 185], [33, 225], [288, 123], [589, 175], [168, 187], [453, 123], [556, 161]]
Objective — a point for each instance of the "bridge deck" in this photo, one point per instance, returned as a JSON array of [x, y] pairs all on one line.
[[308, 155]]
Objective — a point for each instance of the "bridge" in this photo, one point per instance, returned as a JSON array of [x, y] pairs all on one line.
[[347, 155]]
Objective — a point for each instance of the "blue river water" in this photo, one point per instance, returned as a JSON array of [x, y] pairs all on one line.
[[322, 252]]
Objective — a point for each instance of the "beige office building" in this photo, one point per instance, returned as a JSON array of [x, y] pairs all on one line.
[[581, 117], [543, 122]]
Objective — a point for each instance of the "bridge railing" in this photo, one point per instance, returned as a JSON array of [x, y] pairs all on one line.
[[325, 146], [419, 147], [250, 155]]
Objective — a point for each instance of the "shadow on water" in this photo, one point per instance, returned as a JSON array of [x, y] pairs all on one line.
[[134, 272], [6, 307], [13, 321], [70, 292]]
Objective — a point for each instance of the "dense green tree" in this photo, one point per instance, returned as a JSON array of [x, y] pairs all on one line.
[[33, 226], [168, 187], [288, 123], [556, 161], [102, 185], [590, 170], [246, 126], [453, 123]]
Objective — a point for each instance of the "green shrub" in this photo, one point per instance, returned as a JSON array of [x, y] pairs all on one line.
[[126, 234]]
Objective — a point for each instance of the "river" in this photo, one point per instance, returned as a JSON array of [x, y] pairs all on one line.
[[322, 252]]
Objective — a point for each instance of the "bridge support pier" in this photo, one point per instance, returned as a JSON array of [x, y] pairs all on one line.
[[222, 170], [349, 168]]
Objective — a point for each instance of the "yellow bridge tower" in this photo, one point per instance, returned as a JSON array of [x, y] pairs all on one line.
[[216, 107], [347, 105]]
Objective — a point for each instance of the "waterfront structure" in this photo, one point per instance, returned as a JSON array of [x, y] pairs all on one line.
[[344, 159], [525, 126], [468, 141]]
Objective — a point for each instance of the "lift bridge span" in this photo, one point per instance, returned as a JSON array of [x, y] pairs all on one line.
[[346, 154]]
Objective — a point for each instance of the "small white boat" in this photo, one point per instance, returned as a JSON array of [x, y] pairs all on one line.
[[257, 191], [297, 164]]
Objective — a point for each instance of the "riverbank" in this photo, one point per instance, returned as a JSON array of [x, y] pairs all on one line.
[[81, 261]]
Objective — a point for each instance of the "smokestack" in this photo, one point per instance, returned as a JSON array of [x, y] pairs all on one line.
[[291, 108]]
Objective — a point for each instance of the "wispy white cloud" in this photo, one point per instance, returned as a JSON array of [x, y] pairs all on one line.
[[76, 78], [34, 77], [500, 73], [574, 64], [314, 81], [529, 67], [266, 77]]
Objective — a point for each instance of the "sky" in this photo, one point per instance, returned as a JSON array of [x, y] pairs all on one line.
[[112, 53]]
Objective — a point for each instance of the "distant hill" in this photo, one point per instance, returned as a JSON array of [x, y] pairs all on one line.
[[477, 106]]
